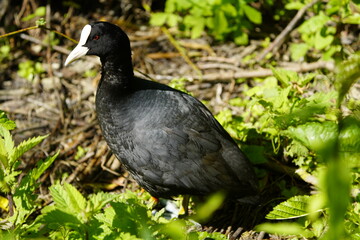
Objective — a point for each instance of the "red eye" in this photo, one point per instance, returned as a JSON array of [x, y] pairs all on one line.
[[96, 37]]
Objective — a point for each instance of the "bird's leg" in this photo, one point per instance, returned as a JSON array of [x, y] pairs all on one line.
[[185, 205]]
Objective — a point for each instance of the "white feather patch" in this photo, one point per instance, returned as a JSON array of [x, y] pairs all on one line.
[[84, 34]]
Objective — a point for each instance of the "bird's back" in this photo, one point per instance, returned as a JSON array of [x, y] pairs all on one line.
[[170, 142]]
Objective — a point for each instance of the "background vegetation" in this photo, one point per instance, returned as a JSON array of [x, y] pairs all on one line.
[[280, 76]]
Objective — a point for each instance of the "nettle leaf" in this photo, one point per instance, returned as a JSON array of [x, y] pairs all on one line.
[[347, 74], [99, 200], [5, 122], [306, 79], [7, 144], [284, 76], [252, 14], [68, 198], [315, 136], [25, 146], [57, 219], [294, 207], [42, 166]]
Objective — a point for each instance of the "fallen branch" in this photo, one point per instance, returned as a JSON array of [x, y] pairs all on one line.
[[274, 46], [241, 73], [37, 41]]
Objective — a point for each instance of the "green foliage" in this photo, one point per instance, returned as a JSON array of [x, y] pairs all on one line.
[[74, 216], [107, 216], [294, 207], [30, 70], [39, 12], [20, 193], [222, 18], [319, 32], [287, 118]]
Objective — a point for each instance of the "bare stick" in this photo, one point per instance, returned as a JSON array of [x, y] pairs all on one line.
[[242, 73]]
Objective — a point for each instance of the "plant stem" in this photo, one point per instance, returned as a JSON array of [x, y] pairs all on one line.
[[11, 204]]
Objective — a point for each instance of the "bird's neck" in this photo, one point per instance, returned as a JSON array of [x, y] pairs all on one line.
[[117, 71]]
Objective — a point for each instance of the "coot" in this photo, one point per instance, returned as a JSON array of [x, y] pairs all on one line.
[[168, 140]]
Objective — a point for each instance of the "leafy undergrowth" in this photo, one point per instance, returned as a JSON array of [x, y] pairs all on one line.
[[304, 127], [318, 131], [312, 130]]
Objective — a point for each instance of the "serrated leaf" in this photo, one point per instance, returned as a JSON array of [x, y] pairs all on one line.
[[99, 200], [60, 218], [294, 207], [7, 144], [285, 76], [42, 166], [5, 122], [25, 146], [315, 136], [68, 198]]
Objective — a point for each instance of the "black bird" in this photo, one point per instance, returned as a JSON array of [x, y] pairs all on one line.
[[168, 140]]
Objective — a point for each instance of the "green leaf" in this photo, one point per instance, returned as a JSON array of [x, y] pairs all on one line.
[[172, 20], [97, 201], [228, 9], [220, 25], [7, 146], [294, 207], [286, 77], [294, 5], [315, 136], [349, 143], [252, 14], [5, 122], [298, 50], [347, 74], [39, 12], [255, 153], [158, 19], [25, 146], [57, 219], [67, 198], [352, 19], [42, 166], [323, 39], [284, 229], [241, 38], [204, 212]]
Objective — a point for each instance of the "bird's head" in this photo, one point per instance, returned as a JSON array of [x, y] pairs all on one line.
[[101, 39]]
